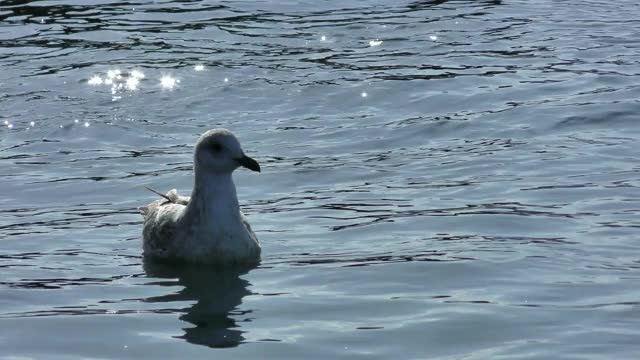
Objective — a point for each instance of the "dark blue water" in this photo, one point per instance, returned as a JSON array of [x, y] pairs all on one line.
[[441, 179]]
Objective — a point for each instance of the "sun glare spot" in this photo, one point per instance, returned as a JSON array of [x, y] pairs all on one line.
[[86, 124], [433, 37], [111, 74], [364, 94], [198, 67], [132, 83], [168, 82], [95, 80], [323, 38], [375, 42], [32, 123], [137, 74]]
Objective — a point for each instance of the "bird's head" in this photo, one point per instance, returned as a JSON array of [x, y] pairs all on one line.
[[218, 151]]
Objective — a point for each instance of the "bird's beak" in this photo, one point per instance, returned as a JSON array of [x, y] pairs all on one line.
[[249, 163]]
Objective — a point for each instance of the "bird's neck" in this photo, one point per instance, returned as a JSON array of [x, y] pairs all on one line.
[[214, 193]]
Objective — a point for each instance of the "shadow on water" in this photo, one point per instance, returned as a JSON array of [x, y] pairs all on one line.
[[217, 294]]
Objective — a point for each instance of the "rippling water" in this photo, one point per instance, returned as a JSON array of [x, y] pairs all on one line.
[[441, 179]]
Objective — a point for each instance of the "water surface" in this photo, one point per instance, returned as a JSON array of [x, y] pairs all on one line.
[[441, 179]]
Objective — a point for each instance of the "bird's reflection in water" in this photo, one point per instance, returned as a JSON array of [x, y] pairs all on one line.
[[217, 292]]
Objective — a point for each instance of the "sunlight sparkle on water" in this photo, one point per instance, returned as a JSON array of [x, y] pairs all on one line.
[[198, 67], [6, 122], [10, 126], [86, 124], [168, 82], [364, 94], [33, 123], [433, 37], [95, 80], [111, 74], [226, 79], [137, 74], [375, 42], [132, 83], [323, 38]]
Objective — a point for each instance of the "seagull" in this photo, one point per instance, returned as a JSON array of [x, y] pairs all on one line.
[[207, 227]]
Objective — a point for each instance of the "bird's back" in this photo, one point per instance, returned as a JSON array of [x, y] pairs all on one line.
[[159, 233]]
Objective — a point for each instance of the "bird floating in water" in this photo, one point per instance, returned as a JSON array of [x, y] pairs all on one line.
[[208, 226]]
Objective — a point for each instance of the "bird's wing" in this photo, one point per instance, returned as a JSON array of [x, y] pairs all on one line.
[[160, 228], [248, 226], [160, 223]]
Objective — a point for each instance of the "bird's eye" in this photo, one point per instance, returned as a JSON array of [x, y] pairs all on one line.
[[215, 147]]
